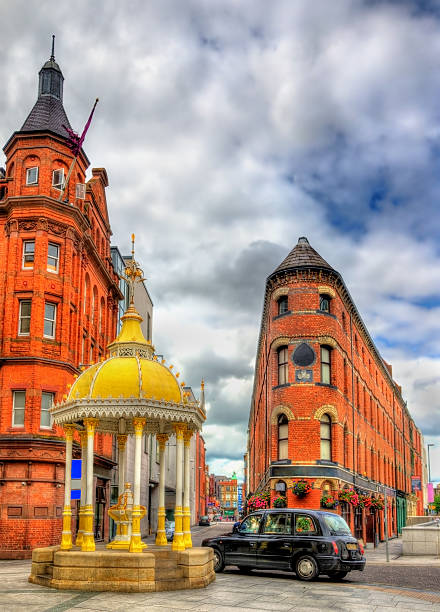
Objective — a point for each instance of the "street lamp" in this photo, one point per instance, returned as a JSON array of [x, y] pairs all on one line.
[[429, 462]]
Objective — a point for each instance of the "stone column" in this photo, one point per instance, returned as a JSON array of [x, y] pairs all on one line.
[[136, 544], [66, 538], [161, 538], [82, 502], [122, 441], [178, 542], [88, 540], [186, 488]]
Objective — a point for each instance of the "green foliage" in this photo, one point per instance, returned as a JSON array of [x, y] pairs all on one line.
[[437, 503]]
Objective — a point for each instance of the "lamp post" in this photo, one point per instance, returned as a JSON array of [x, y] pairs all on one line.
[[429, 462]]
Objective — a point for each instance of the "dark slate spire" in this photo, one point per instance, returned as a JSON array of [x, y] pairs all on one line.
[[48, 112], [303, 256]]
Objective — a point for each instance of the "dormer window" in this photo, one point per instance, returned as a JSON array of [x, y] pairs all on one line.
[[32, 176], [283, 305], [324, 302], [58, 178]]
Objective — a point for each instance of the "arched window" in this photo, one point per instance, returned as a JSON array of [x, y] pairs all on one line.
[[283, 305], [86, 291], [101, 315], [325, 365], [283, 372], [94, 304], [283, 437], [324, 302], [326, 437]]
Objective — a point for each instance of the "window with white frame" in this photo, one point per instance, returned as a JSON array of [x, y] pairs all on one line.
[[58, 178], [28, 254], [283, 367], [18, 406], [53, 257], [283, 437], [46, 405], [32, 176], [325, 365], [24, 318], [50, 315], [326, 437]]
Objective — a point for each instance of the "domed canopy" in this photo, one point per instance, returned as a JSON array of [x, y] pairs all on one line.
[[131, 371], [130, 383]]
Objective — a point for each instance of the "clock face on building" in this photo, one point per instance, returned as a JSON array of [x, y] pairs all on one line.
[[303, 355]]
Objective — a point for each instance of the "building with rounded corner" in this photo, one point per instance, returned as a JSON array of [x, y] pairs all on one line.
[[325, 408]]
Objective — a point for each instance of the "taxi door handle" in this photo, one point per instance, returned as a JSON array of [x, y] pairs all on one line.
[[252, 544]]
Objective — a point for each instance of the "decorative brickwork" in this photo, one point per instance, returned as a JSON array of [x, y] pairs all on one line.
[[347, 422]]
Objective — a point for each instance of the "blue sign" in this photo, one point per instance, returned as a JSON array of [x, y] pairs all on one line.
[[76, 469], [75, 494]]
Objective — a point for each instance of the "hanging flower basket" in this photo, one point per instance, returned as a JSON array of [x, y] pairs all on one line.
[[328, 501], [350, 496], [301, 488], [365, 501], [279, 501], [260, 501], [377, 503]]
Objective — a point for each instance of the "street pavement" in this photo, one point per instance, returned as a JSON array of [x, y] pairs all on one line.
[[381, 587]]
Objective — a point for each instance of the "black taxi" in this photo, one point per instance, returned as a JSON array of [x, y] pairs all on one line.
[[307, 542]]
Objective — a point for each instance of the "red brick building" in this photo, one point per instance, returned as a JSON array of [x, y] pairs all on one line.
[[228, 497], [325, 407], [58, 305]]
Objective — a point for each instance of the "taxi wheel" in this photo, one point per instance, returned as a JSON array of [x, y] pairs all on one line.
[[306, 568], [219, 564]]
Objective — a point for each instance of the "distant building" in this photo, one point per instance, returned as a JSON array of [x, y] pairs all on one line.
[[325, 407], [228, 497]]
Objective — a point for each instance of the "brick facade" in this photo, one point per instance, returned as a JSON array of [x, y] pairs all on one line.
[[56, 272], [347, 424]]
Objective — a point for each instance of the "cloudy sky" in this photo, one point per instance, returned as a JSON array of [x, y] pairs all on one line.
[[229, 128]]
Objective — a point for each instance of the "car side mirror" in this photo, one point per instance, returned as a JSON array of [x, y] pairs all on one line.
[[236, 528]]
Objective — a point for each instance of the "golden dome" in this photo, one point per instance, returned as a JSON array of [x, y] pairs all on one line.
[[130, 371]]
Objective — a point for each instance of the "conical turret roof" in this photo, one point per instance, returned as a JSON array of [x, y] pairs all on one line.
[[303, 256], [48, 113]]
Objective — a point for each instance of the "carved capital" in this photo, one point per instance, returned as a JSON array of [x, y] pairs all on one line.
[[122, 441], [162, 440], [83, 438], [68, 431], [180, 429], [187, 437], [138, 425], [91, 424]]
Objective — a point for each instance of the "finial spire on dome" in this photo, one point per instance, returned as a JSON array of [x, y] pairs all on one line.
[[133, 274], [52, 55]]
